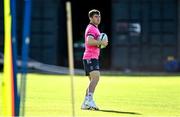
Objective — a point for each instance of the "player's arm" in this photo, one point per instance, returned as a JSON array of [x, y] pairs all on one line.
[[93, 42]]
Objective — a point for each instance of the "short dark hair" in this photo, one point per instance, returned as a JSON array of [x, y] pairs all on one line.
[[93, 12]]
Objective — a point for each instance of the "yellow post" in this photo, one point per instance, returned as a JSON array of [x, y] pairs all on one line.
[[7, 82]]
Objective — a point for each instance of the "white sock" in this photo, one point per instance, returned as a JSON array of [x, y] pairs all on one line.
[[86, 98], [90, 96]]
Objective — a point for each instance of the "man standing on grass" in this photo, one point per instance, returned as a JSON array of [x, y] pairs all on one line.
[[91, 57]]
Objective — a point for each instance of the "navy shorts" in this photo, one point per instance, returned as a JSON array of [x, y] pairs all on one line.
[[90, 65]]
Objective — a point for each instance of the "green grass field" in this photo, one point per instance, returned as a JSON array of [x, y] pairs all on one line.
[[50, 95]]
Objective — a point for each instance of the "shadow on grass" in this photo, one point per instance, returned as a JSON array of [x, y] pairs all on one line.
[[120, 112]]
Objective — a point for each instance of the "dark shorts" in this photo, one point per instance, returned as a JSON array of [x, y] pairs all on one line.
[[90, 65]]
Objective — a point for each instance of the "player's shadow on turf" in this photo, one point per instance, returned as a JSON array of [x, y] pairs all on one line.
[[121, 112]]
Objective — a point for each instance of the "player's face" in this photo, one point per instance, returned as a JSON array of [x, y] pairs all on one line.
[[96, 19]]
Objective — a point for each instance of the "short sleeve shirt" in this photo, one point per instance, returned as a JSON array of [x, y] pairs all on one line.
[[91, 52]]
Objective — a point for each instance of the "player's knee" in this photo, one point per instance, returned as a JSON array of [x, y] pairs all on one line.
[[95, 75]]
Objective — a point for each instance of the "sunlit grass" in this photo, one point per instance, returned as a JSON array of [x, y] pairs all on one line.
[[50, 95]]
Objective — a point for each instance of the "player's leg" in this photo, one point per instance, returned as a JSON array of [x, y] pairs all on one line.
[[92, 85], [86, 65], [88, 101], [86, 68], [92, 70], [93, 82], [87, 90]]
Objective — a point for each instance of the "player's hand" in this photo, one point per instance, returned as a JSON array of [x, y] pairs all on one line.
[[104, 42]]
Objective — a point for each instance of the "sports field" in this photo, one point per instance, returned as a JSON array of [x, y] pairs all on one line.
[[145, 96]]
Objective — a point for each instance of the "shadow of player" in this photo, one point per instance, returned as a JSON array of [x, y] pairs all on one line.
[[120, 112]]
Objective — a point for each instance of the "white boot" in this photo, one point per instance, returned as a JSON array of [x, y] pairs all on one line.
[[92, 106], [84, 105]]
